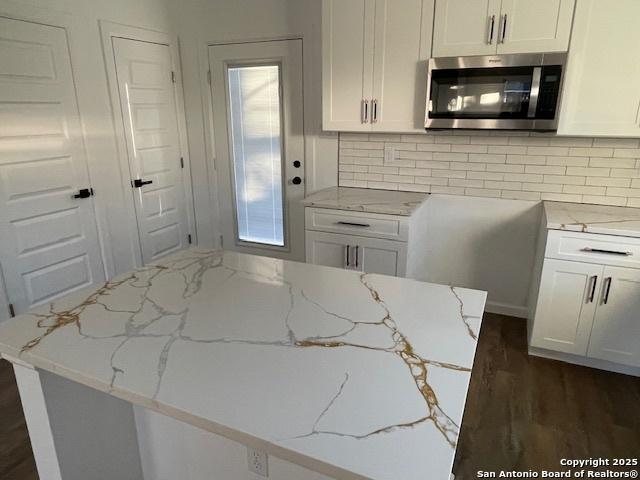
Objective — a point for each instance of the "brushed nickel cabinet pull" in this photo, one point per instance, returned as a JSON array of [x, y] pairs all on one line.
[[504, 28], [364, 111], [374, 112]]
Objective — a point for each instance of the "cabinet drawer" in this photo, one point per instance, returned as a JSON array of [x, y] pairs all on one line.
[[355, 223], [593, 248]]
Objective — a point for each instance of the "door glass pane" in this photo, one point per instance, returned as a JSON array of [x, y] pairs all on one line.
[[481, 93], [254, 98]]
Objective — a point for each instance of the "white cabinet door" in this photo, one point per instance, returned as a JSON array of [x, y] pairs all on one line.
[[566, 306], [463, 28], [535, 26], [370, 255], [48, 239], [380, 256], [347, 63], [616, 328], [326, 249], [602, 81], [402, 47]]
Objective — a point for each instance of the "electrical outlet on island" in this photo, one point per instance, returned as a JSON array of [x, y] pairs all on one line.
[[258, 462]]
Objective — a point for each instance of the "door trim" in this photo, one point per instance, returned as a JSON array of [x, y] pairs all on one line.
[[108, 31]]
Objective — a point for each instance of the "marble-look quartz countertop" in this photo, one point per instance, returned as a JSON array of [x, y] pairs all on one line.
[[354, 375], [578, 217], [366, 200]]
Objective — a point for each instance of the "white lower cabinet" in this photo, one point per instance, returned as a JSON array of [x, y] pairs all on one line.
[[616, 328], [370, 255], [566, 306], [589, 309], [357, 241]]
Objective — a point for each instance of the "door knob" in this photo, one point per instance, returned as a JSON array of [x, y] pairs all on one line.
[[84, 193], [138, 182]]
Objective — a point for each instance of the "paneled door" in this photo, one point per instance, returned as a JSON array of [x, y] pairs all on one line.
[[48, 236], [147, 99], [259, 146]]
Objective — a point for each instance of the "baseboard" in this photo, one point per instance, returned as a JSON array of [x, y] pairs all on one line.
[[585, 361], [506, 309]]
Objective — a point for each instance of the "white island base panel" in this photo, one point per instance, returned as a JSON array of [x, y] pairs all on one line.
[[353, 376]]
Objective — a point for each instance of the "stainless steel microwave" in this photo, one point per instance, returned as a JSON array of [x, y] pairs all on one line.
[[510, 92]]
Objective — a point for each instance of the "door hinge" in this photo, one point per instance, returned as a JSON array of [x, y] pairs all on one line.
[[209, 77], [12, 311], [173, 76], [181, 162], [189, 239]]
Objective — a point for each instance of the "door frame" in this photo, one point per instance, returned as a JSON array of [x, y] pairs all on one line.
[[288, 204], [109, 30]]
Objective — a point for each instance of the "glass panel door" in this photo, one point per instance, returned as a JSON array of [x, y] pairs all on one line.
[[256, 151], [481, 92]]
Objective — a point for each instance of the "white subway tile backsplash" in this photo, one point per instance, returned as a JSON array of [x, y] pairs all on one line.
[[514, 165]]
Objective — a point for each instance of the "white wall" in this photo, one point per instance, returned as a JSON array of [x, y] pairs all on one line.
[[482, 243]]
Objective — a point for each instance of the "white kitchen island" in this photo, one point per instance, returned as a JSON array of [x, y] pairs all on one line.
[[335, 373]]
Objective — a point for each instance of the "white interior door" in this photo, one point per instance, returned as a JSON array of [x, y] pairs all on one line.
[[259, 141], [149, 115], [48, 239]]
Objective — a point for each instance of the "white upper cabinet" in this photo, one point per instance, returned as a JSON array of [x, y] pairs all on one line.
[[535, 26], [601, 94], [486, 27], [402, 44], [347, 62], [465, 28], [374, 64]]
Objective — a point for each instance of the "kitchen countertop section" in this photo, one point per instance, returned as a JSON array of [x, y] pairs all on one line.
[[366, 200], [578, 217], [356, 376]]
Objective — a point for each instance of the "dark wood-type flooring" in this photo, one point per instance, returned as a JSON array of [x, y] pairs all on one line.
[[522, 412]]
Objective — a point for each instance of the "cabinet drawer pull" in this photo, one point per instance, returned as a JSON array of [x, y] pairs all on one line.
[[364, 111], [348, 248], [354, 224], [607, 289], [594, 282], [504, 29], [357, 248], [608, 252]]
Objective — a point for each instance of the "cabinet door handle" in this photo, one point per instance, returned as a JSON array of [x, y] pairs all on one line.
[[354, 224], [374, 111], [594, 282], [504, 29], [492, 24], [607, 290], [357, 249], [364, 111], [608, 252], [348, 248]]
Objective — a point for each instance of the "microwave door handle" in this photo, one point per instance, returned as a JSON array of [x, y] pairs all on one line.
[[535, 92]]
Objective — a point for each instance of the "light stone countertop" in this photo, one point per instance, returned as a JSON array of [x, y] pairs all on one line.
[[357, 376], [607, 220], [366, 200]]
